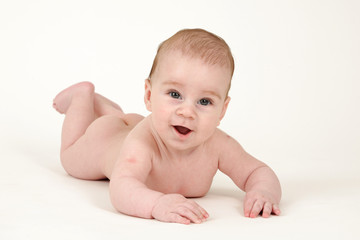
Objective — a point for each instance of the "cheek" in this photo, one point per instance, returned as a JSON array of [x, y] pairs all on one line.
[[163, 108], [161, 111], [206, 131], [209, 123], [211, 117]]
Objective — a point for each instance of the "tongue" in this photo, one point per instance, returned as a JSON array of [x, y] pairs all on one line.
[[182, 130]]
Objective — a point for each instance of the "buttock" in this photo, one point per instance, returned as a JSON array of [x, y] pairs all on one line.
[[111, 125], [132, 119]]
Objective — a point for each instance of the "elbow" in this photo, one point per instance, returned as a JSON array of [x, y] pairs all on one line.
[[119, 196], [249, 180], [125, 198], [115, 196]]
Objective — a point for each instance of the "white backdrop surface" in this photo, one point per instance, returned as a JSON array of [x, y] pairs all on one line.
[[295, 105]]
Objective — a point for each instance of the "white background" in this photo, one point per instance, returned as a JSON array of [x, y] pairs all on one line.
[[295, 105]]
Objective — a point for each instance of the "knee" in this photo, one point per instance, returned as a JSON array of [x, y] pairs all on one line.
[[69, 161], [76, 165]]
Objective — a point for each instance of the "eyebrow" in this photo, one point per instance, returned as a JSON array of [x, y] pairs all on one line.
[[209, 92], [212, 93], [171, 82]]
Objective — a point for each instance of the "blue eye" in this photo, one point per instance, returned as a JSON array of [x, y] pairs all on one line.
[[204, 102], [174, 94]]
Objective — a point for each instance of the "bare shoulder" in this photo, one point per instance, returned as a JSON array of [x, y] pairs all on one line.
[[234, 161], [139, 142], [231, 150], [136, 153], [226, 143], [225, 147]]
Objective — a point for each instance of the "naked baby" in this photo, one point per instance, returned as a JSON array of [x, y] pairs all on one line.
[[156, 163]]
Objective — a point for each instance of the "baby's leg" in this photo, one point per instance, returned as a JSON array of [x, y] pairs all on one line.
[[82, 106]]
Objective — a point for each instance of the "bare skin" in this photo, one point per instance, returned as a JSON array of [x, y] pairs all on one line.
[[154, 163], [90, 115]]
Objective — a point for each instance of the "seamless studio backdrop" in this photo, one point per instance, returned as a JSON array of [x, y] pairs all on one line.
[[295, 106]]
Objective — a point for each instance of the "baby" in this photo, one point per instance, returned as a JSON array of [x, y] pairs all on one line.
[[155, 163]]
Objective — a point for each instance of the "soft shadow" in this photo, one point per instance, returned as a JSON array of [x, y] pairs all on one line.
[[322, 189], [47, 157], [45, 154], [232, 195], [227, 192], [99, 195]]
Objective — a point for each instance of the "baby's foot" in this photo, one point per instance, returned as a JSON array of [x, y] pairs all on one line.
[[62, 101]]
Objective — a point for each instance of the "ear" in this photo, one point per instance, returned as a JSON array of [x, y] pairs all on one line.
[[147, 96], [226, 103]]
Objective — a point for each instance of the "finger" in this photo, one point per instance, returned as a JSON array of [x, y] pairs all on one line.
[[248, 206], [256, 209], [276, 209], [204, 213], [189, 214], [194, 211], [176, 218], [267, 210], [198, 210]]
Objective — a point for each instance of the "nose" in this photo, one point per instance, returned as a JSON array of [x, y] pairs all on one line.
[[186, 110]]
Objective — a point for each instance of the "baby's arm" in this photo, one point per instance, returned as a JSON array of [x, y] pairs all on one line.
[[262, 187], [131, 196]]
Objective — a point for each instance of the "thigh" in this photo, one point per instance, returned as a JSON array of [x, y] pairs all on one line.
[[88, 157]]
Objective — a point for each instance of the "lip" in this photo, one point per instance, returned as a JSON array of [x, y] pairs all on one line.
[[180, 135]]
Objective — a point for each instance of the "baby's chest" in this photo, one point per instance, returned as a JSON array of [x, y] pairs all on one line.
[[192, 179]]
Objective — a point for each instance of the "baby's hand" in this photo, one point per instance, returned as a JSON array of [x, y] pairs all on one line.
[[257, 201], [176, 208]]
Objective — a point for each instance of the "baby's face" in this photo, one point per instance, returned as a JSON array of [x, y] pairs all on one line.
[[187, 98]]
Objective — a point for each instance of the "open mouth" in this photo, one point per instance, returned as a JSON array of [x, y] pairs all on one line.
[[182, 130]]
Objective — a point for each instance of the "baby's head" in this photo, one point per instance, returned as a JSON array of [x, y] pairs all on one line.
[[197, 43], [187, 90]]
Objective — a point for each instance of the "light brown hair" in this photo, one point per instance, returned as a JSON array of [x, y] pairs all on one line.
[[197, 43]]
